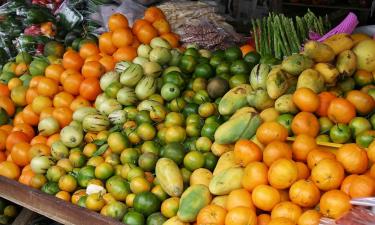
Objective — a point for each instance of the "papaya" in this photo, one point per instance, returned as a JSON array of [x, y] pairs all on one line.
[[296, 63], [169, 177], [242, 111], [201, 176], [220, 201], [239, 127], [234, 99], [220, 149], [310, 78], [339, 42], [328, 71], [192, 201], [277, 83], [260, 100], [319, 52], [346, 63], [285, 104], [258, 76], [225, 161], [174, 221], [226, 181]]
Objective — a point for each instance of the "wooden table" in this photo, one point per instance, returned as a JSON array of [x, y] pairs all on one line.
[[50, 206]]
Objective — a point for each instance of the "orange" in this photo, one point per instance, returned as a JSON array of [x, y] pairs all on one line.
[[153, 13], [302, 145], [246, 151], [263, 219], [88, 49], [3, 138], [7, 128], [20, 153], [162, 26], [334, 204], [21, 68], [62, 99], [66, 73], [53, 138], [146, 33], [4, 90], [341, 110], [93, 58], [79, 101], [64, 115], [72, 83], [271, 131], [105, 43], [287, 210], [212, 214], [26, 177], [40, 103], [353, 158], [138, 24], [246, 49], [362, 102], [90, 88], [316, 155], [54, 71], [64, 195], [362, 186], [29, 116], [46, 112], [239, 197], [328, 174], [304, 193], [325, 99], [265, 197], [47, 87], [25, 128], [303, 170], [72, 60], [126, 53], [15, 137], [122, 37], [10, 170], [282, 173], [18, 119], [305, 123], [172, 39], [309, 217], [38, 149], [306, 100], [347, 182], [116, 21], [92, 69], [281, 221], [108, 62], [241, 216], [14, 82], [31, 93], [7, 104], [276, 150], [255, 173]]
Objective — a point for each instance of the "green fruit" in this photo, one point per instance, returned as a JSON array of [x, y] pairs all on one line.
[[169, 177], [50, 188], [170, 91], [23, 57], [146, 203], [223, 67], [194, 160], [365, 138], [372, 120], [240, 67], [286, 121], [185, 173], [147, 161], [325, 125], [85, 175], [75, 43], [82, 201], [133, 218], [340, 133], [190, 108], [192, 52], [129, 155], [323, 138], [252, 58], [173, 151], [156, 219], [4, 118], [173, 77], [104, 171], [116, 210], [188, 64], [216, 60], [112, 89], [26, 78], [37, 67], [6, 76], [346, 84], [209, 129], [269, 60], [233, 53], [118, 187], [192, 201], [359, 125], [201, 97], [237, 80], [54, 48], [143, 117], [203, 70], [210, 160]]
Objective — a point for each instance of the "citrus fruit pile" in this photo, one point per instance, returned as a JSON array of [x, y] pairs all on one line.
[[147, 133]]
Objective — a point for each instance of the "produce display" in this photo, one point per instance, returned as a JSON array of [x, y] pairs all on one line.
[[144, 131]]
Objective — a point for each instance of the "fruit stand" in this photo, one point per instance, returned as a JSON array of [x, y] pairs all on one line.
[[113, 112]]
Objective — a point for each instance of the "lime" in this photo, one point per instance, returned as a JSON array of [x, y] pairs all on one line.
[[239, 67], [170, 91], [37, 67], [135, 172], [159, 192], [233, 53], [225, 76], [112, 89], [223, 67], [82, 201], [50, 188], [150, 147], [6, 76], [201, 97], [129, 155], [156, 219], [203, 144], [174, 151], [269, 60], [238, 79], [340, 133], [26, 78], [131, 112], [147, 161], [192, 52], [325, 124], [54, 173], [133, 218], [193, 160], [177, 104], [117, 142], [190, 108], [372, 120], [146, 203], [24, 57], [188, 63], [143, 117], [173, 77], [286, 121], [199, 83], [216, 60], [104, 171], [118, 187], [185, 175], [85, 175], [252, 58], [210, 160], [203, 70], [323, 138], [359, 125], [365, 138], [208, 130], [146, 131], [204, 60], [54, 48]]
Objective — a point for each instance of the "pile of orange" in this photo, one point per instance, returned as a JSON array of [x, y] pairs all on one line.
[[121, 41]]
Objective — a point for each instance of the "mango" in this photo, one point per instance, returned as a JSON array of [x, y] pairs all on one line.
[[225, 161], [346, 63], [328, 71], [226, 181], [339, 42], [234, 99], [169, 177], [310, 78], [296, 63], [319, 52]]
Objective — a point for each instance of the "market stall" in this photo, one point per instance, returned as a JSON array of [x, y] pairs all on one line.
[[122, 112]]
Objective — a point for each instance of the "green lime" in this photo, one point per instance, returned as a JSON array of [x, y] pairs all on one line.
[[286, 120], [216, 60], [208, 130], [192, 52], [190, 108], [147, 161], [37, 67], [170, 91], [210, 160], [104, 171], [26, 78], [6, 76], [185, 175], [75, 44], [252, 58], [359, 125], [177, 104], [129, 155], [203, 70], [225, 76], [4, 118], [365, 138], [173, 77], [116, 210], [174, 151], [150, 147], [118, 187], [193, 160], [131, 112], [188, 63], [239, 67], [340, 133], [82, 201], [269, 60], [233, 53], [223, 67], [325, 125], [323, 138], [135, 172], [50, 188], [54, 48], [201, 97], [133, 218], [85, 174], [238, 79], [156, 219], [24, 57], [143, 117], [146, 203]]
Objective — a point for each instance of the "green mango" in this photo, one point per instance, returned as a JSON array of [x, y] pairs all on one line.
[[296, 63], [260, 99], [234, 99]]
